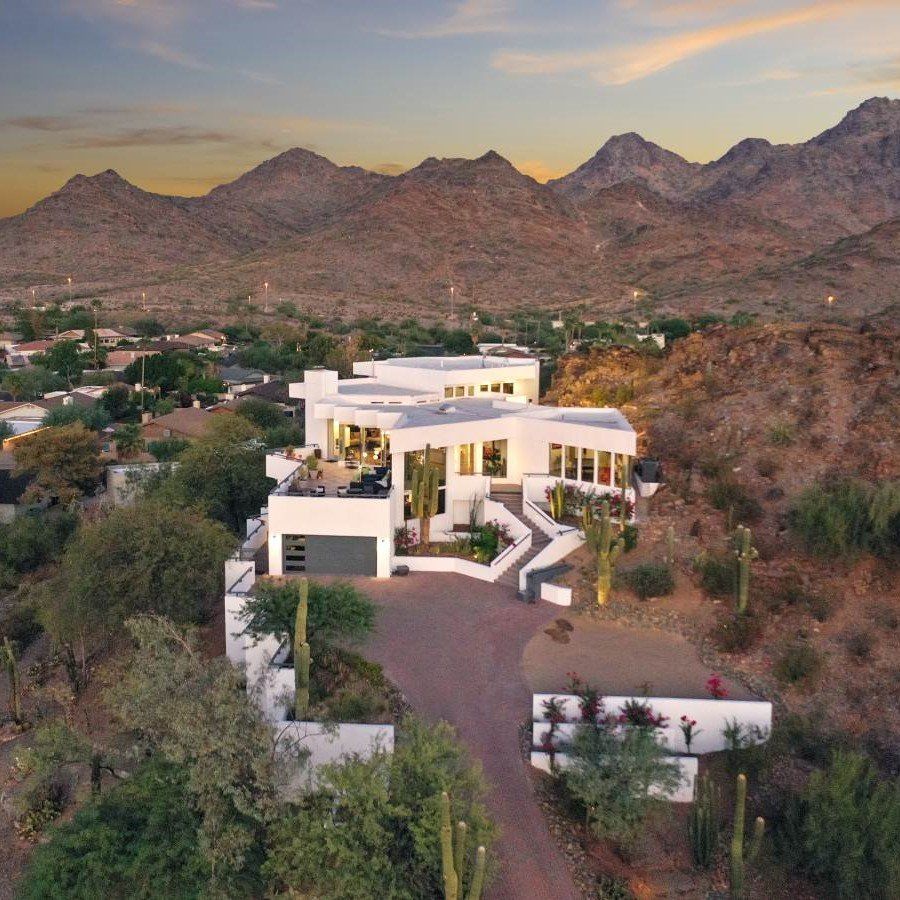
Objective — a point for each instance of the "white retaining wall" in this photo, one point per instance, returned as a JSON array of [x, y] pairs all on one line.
[[687, 765], [559, 548], [325, 744], [711, 716]]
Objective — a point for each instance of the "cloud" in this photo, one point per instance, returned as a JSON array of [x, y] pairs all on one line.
[[43, 123], [621, 65], [468, 17], [255, 4], [159, 136], [172, 55]]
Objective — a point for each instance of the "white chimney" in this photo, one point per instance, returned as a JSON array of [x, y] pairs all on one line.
[[266, 378], [196, 404], [68, 401], [146, 417]]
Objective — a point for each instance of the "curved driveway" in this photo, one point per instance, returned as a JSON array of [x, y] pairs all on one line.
[[454, 646]]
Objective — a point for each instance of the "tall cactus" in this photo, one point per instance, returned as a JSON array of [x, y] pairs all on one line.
[[424, 493], [558, 500], [601, 540], [15, 681], [704, 822], [587, 516], [738, 861], [301, 653], [453, 857], [745, 554]]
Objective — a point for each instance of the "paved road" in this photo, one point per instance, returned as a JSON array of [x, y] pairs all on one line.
[[454, 647]]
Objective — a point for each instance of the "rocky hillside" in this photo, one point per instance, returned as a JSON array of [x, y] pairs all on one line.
[[744, 420], [770, 229]]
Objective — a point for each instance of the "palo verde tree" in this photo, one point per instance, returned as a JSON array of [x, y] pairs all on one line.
[[147, 558], [64, 462]]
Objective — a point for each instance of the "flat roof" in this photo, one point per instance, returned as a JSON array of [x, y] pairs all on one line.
[[454, 363], [352, 387]]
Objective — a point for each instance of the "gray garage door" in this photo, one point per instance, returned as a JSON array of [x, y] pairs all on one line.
[[319, 554]]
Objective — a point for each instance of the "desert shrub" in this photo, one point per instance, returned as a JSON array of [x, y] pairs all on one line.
[[716, 573], [611, 888], [885, 616], [608, 777], [736, 632], [799, 662], [781, 434], [32, 540], [843, 830], [362, 704], [859, 645], [650, 580], [139, 840], [19, 622], [731, 496], [820, 607], [843, 518], [766, 465], [629, 536], [372, 827]]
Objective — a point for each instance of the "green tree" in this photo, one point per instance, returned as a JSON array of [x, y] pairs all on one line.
[[139, 840], [609, 776], [31, 383], [167, 449], [196, 713], [844, 830], [224, 473], [117, 401], [373, 828], [261, 413], [64, 358], [64, 462], [148, 558], [94, 416], [337, 612], [129, 440]]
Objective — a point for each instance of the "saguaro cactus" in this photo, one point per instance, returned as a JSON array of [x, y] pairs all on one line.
[[15, 681], [301, 653], [587, 516], [738, 860], [424, 492], [453, 858], [704, 822], [558, 500], [607, 547], [745, 554]]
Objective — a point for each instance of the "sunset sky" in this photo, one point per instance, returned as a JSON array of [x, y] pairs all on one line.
[[180, 95]]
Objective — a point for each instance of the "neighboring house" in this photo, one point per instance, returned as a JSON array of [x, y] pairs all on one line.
[[28, 349], [488, 439], [27, 415], [207, 339], [72, 334], [237, 379], [110, 337], [8, 340], [164, 345], [188, 423], [124, 481], [119, 360]]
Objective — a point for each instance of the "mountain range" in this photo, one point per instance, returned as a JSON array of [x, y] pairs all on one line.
[[768, 228]]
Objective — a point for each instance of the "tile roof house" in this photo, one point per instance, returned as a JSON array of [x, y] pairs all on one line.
[[237, 379], [109, 337], [121, 359], [31, 348], [187, 422]]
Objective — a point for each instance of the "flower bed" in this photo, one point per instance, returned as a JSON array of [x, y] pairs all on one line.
[[576, 498], [482, 544]]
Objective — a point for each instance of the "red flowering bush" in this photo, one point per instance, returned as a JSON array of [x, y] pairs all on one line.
[[716, 687]]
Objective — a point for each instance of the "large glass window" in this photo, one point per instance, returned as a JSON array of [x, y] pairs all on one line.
[[508, 387], [554, 464], [466, 459], [571, 460], [493, 458], [604, 462], [623, 471], [587, 464]]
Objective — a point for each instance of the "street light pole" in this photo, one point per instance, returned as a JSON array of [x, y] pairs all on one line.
[[266, 287], [143, 301], [452, 291], [70, 288]]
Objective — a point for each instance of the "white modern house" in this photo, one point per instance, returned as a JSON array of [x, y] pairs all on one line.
[[495, 448]]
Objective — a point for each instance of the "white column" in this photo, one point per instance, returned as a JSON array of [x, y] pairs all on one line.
[[276, 555]]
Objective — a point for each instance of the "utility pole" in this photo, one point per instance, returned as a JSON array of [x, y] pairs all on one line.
[[143, 301], [70, 288], [266, 287], [452, 291]]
